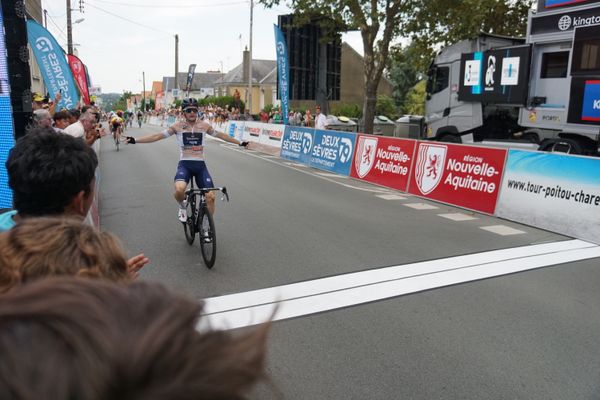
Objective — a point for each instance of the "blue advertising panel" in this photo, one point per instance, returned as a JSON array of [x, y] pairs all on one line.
[[297, 144], [7, 136], [552, 191], [283, 72], [53, 65], [591, 101], [333, 151]]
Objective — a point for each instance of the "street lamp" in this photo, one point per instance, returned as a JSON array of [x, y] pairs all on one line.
[[78, 21]]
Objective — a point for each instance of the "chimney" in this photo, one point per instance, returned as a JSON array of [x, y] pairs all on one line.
[[246, 65]]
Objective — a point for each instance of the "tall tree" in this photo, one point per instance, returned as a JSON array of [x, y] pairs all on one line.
[[443, 22], [378, 21]]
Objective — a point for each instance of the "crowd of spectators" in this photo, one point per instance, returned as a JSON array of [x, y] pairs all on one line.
[[76, 320]]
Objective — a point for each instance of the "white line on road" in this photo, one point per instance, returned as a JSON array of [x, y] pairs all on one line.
[[458, 217], [391, 197], [502, 230], [421, 206], [325, 294]]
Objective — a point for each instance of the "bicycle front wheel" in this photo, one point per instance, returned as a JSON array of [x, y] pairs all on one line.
[[189, 227], [208, 238]]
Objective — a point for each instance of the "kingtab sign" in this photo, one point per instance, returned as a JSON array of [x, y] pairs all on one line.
[[564, 22]]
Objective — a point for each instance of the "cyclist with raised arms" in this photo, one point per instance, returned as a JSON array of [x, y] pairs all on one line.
[[190, 136]]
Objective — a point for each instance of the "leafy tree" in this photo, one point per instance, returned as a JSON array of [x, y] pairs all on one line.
[[386, 106], [378, 22], [443, 22], [349, 110], [415, 99], [404, 73]]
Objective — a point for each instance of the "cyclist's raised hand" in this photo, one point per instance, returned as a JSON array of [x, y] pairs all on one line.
[[244, 144], [129, 140]]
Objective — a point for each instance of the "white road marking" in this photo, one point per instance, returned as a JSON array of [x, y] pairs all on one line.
[[325, 294], [502, 230], [421, 206], [458, 217], [330, 175], [391, 197]]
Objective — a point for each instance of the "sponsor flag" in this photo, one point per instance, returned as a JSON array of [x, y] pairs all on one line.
[[283, 72], [79, 73], [190, 78], [53, 65]]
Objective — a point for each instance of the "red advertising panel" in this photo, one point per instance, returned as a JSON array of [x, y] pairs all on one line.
[[382, 160], [466, 176], [78, 70]]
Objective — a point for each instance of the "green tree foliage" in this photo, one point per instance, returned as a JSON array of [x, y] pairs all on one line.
[[349, 110], [415, 99], [386, 106], [378, 21], [403, 73], [121, 104], [221, 101], [443, 22]]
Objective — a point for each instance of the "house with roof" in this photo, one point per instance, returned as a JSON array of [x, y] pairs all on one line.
[[264, 82]]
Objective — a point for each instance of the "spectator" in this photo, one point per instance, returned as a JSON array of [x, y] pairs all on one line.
[[320, 119], [61, 120], [68, 338], [264, 117], [42, 118], [308, 121], [50, 246], [52, 175], [85, 128], [75, 113], [37, 101]]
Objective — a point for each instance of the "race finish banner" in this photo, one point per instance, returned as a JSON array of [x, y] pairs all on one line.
[[333, 151], [383, 160], [297, 144], [80, 75], [552, 191], [53, 65], [465, 176], [283, 72], [495, 76]]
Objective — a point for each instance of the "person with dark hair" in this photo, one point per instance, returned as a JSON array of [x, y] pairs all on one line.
[[84, 339], [49, 246], [51, 174], [75, 113], [190, 135], [61, 120]]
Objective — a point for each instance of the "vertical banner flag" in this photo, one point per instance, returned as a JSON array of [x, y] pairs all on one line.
[[283, 72], [80, 76], [190, 78], [53, 65]]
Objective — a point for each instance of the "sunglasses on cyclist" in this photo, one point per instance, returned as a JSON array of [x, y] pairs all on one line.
[[190, 110]]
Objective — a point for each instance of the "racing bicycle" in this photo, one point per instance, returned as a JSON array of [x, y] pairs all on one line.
[[201, 222]]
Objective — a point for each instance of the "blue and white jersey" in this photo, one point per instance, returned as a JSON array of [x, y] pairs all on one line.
[[191, 139]]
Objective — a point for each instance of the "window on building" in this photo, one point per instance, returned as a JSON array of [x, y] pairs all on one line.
[[555, 65]]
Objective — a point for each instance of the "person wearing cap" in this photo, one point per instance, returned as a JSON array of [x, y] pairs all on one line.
[[320, 119], [37, 101]]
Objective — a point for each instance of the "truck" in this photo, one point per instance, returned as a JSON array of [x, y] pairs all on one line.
[[541, 92]]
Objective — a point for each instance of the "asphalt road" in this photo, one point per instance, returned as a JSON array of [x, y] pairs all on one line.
[[526, 335]]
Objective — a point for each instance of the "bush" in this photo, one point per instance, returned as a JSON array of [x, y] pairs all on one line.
[[386, 106], [349, 110], [221, 101]]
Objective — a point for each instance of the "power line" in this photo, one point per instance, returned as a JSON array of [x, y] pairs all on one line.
[[117, 3], [128, 20], [61, 31]]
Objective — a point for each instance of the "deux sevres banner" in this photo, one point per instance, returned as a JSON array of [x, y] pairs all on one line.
[[283, 72], [79, 73], [53, 65]]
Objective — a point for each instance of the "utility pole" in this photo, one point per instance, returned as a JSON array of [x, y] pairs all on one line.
[[249, 105], [176, 85], [144, 91], [69, 29]]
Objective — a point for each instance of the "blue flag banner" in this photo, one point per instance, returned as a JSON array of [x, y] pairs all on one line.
[[53, 65], [283, 72]]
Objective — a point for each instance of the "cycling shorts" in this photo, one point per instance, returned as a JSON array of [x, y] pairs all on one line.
[[186, 169]]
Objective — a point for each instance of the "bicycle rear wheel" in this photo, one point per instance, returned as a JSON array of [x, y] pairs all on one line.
[[189, 227], [208, 238]]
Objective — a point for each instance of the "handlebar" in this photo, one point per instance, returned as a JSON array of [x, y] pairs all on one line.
[[203, 191]]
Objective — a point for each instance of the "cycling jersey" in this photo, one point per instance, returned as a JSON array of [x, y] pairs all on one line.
[[190, 139]]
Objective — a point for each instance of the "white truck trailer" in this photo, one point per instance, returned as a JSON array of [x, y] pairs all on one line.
[[541, 92]]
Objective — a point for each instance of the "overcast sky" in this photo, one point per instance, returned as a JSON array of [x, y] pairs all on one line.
[[119, 39]]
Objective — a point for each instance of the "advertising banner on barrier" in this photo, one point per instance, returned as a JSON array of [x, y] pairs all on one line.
[[383, 160], [235, 129], [272, 134], [465, 176], [552, 191], [252, 131], [333, 151], [297, 144]]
